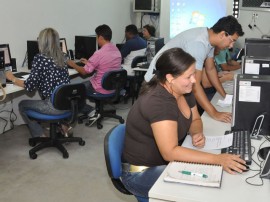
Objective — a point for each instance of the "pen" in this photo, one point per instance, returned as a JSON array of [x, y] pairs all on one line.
[[185, 172]]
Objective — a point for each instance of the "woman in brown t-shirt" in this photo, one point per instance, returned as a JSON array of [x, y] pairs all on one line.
[[159, 121]]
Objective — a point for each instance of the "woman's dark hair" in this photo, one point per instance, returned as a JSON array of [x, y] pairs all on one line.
[[104, 31], [151, 29], [229, 24], [173, 61]]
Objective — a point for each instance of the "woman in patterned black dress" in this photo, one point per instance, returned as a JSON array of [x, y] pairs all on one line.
[[48, 71]]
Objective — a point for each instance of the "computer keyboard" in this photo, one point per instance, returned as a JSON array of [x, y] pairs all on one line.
[[241, 145], [20, 74], [81, 64]]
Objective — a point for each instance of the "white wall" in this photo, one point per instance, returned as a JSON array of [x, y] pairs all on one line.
[[22, 20], [262, 24]]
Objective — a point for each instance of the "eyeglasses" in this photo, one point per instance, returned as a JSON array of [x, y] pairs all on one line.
[[229, 36]]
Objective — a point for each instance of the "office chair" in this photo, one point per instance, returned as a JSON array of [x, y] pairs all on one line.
[[112, 80], [70, 98], [113, 148], [138, 59], [136, 80]]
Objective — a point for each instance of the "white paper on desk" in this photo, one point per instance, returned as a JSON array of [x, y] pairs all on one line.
[[211, 142], [226, 102], [252, 68], [24, 77]]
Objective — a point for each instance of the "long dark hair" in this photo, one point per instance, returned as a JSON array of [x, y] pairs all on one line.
[[173, 61]]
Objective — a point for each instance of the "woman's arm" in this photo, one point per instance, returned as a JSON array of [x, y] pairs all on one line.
[[196, 129], [14, 79], [165, 133]]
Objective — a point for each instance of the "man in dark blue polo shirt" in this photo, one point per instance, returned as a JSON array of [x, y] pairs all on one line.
[[134, 46]]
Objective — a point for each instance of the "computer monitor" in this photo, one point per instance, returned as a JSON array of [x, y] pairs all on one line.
[[159, 43], [255, 65], [85, 46], [7, 55], [63, 45], [251, 101], [265, 172], [32, 50], [257, 47]]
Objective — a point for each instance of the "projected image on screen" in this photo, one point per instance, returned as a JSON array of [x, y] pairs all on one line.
[[186, 14]]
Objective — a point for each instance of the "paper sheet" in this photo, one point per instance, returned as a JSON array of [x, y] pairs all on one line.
[[252, 68], [226, 102], [211, 142]]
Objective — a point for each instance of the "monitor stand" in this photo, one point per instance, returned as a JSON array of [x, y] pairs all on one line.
[[263, 152]]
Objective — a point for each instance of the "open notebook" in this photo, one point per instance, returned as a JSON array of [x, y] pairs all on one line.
[[194, 174]]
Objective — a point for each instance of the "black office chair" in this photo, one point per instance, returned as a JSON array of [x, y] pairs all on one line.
[[138, 59], [136, 80], [112, 80], [113, 148], [70, 98]]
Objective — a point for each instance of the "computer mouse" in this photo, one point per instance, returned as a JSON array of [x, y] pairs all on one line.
[[247, 168]]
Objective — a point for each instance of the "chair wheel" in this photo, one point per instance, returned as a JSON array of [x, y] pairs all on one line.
[[80, 121], [65, 155], [32, 155], [122, 121], [82, 142], [99, 126], [31, 142]]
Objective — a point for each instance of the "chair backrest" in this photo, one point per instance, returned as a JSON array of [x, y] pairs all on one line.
[[113, 148], [129, 58], [114, 80], [69, 97], [138, 59]]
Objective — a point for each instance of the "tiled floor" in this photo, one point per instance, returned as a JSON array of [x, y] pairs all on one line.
[[80, 178]]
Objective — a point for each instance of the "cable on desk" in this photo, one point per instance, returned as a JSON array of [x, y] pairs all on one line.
[[4, 92], [253, 183]]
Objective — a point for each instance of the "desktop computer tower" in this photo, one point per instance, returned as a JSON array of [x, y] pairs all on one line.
[[256, 65], [251, 101], [85, 46], [32, 50], [257, 47]]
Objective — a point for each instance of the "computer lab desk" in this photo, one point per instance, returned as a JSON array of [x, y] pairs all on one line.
[[14, 94], [233, 187]]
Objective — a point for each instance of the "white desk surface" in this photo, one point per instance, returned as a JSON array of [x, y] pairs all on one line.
[[233, 187], [139, 69]]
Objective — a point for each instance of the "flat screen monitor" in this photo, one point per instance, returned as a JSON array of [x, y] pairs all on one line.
[[159, 43], [32, 50], [256, 47], [256, 65], [7, 55], [251, 101], [63, 45], [85, 46]]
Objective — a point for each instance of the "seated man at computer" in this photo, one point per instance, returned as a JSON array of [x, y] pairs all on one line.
[[107, 58], [224, 65], [134, 46]]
